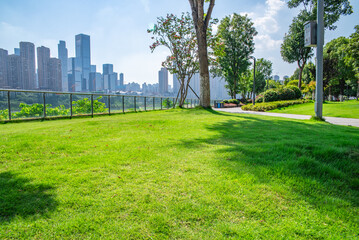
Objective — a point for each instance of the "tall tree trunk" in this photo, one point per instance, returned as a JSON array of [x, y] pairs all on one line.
[[201, 22], [205, 91]]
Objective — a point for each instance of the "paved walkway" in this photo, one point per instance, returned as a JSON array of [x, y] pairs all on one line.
[[333, 120]]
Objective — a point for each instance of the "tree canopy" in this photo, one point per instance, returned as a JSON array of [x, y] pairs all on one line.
[[333, 9], [235, 45]]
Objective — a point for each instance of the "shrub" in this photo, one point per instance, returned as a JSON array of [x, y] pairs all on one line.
[[298, 93], [267, 106], [235, 101], [270, 96], [293, 83], [286, 94], [225, 101], [259, 98], [4, 114]]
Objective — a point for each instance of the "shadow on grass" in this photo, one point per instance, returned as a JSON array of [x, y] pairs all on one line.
[[19, 197], [319, 162]]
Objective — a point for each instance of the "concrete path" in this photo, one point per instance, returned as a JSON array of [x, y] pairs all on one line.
[[333, 120]]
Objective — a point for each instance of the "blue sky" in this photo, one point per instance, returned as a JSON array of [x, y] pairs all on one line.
[[118, 29]]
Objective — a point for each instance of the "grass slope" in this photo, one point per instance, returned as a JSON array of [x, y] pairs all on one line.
[[348, 109], [187, 174]]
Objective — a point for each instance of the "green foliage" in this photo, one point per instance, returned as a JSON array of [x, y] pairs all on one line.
[[272, 84], [260, 98], [267, 106], [270, 96], [297, 92], [293, 83], [235, 101], [167, 103], [83, 106], [285, 94], [292, 48], [263, 72], [333, 9], [235, 44], [4, 114]]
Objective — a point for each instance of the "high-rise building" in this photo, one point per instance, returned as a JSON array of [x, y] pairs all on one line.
[[3, 69], [83, 56], [276, 78], [109, 77], [63, 55], [54, 74], [14, 71], [163, 81], [74, 75], [93, 68], [27, 54], [17, 51], [176, 85], [121, 82], [107, 68], [96, 83], [43, 57]]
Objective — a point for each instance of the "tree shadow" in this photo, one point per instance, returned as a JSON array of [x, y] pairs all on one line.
[[317, 161], [20, 197]]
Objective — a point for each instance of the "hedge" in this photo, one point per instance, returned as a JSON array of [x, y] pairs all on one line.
[[267, 106]]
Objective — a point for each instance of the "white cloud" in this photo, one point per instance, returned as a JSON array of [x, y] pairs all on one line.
[[265, 42], [267, 24]]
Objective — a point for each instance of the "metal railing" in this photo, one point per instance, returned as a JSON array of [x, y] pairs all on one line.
[[28, 104]]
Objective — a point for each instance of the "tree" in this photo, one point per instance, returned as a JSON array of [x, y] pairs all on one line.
[[352, 57], [333, 9], [178, 35], [337, 70], [201, 22], [263, 73], [293, 49], [234, 46]]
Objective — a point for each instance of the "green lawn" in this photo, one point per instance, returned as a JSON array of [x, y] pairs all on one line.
[[348, 109], [179, 174]]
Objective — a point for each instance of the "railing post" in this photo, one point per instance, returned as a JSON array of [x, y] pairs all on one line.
[[8, 104], [123, 104], [91, 105], [70, 105], [44, 97], [134, 101], [153, 100], [109, 104], [145, 104], [161, 103]]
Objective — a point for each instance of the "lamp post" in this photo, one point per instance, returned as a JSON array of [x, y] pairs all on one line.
[[319, 76], [254, 80]]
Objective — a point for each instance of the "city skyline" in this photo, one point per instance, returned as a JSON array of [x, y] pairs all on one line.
[[118, 29]]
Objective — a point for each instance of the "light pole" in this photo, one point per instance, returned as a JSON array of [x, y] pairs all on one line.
[[254, 80], [319, 75]]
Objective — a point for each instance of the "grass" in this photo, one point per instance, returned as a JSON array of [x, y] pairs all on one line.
[[179, 174], [348, 109]]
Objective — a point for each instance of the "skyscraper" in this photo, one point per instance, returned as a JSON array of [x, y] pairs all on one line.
[[63, 55], [122, 82], [163, 81], [74, 75], [27, 54], [83, 57], [14, 71], [54, 74], [43, 57], [17, 51], [3, 68]]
